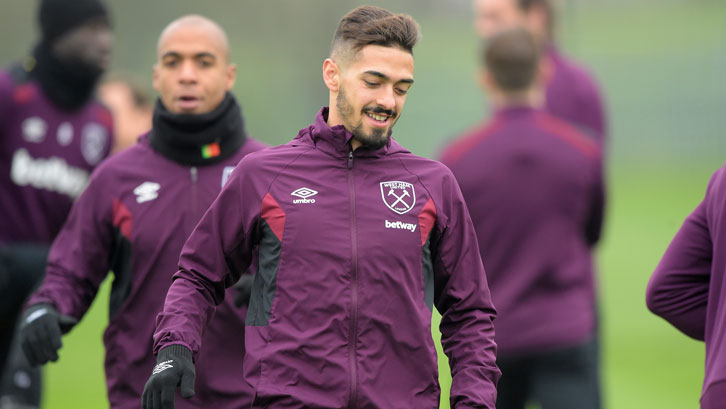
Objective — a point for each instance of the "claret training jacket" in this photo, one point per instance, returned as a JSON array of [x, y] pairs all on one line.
[[355, 249], [133, 219]]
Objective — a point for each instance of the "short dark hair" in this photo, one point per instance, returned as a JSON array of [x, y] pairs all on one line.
[[546, 5], [370, 25], [512, 57]]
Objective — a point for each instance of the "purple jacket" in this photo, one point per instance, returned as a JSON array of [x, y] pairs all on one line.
[[534, 187], [355, 248], [573, 95], [133, 218], [688, 288], [46, 157]]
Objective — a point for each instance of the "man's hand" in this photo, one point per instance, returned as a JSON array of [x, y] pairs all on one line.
[[174, 368], [244, 290], [41, 331]]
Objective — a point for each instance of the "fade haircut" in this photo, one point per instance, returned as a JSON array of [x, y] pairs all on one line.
[[512, 57], [370, 25]]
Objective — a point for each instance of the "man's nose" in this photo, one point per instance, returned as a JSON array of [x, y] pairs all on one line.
[[188, 73], [386, 99]]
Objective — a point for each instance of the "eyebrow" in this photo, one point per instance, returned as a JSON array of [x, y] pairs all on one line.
[[175, 54], [385, 77]]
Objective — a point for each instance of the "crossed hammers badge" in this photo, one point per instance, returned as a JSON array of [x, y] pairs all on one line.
[[398, 196]]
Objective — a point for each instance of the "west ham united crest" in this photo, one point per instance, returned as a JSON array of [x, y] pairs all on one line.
[[398, 196]]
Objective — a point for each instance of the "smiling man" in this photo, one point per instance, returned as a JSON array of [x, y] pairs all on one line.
[[341, 305], [133, 219]]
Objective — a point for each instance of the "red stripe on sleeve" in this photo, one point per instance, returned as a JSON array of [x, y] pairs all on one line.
[[469, 140], [569, 134], [426, 220], [122, 218], [273, 214]]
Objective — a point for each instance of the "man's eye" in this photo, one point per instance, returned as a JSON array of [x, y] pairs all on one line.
[[370, 83], [401, 91], [205, 63], [170, 63]]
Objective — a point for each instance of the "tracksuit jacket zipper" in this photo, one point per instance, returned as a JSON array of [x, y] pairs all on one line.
[[193, 174], [352, 338]]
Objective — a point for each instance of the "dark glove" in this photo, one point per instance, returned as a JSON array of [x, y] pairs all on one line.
[[174, 368], [41, 331], [244, 289]]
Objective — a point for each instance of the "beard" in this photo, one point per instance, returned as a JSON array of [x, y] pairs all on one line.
[[376, 138]]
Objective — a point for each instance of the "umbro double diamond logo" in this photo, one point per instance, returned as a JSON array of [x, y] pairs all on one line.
[[304, 194], [162, 366]]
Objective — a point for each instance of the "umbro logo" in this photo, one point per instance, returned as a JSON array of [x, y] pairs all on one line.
[[146, 191], [162, 366], [304, 194]]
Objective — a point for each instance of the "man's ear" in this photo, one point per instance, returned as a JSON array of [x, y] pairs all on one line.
[[545, 70], [231, 74], [331, 75], [155, 77]]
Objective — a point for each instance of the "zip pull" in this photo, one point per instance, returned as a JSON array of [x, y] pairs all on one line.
[[193, 171], [350, 160]]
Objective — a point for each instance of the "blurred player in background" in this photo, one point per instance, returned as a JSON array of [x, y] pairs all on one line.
[[572, 93], [132, 108], [134, 217], [688, 286], [533, 185], [52, 135], [358, 239]]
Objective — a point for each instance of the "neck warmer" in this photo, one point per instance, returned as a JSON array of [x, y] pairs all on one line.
[[68, 85], [193, 140]]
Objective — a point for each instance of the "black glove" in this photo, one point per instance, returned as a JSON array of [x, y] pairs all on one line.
[[244, 289], [174, 368], [41, 331]]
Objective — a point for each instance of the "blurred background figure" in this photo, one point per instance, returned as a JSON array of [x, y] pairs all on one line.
[[572, 93], [533, 185], [52, 135], [132, 108]]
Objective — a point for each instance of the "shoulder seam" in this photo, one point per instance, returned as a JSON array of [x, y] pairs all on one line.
[[569, 134], [424, 185]]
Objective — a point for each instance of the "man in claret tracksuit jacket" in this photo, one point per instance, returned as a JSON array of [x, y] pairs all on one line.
[[134, 217], [358, 240], [687, 288], [534, 188], [53, 133]]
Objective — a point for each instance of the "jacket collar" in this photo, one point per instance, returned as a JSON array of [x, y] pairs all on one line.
[[335, 141]]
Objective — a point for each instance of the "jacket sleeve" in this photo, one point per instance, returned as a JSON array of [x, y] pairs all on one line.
[[462, 297], [79, 257], [213, 258], [678, 289], [593, 225]]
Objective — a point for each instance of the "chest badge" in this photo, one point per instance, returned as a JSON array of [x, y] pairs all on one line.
[[398, 196]]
